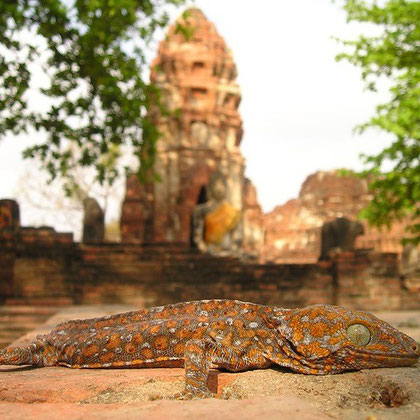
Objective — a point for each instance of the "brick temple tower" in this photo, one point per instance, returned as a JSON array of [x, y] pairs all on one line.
[[201, 135]]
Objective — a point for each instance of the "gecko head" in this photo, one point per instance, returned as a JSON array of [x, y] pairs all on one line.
[[331, 339]]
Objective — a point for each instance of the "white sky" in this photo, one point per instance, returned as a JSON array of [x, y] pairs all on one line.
[[299, 105]]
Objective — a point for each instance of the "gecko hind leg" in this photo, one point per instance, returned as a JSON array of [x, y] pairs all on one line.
[[38, 353], [16, 356]]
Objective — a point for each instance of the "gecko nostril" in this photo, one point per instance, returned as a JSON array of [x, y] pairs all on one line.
[[415, 347]]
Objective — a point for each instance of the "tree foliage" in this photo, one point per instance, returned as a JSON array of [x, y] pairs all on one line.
[[395, 54], [96, 98]]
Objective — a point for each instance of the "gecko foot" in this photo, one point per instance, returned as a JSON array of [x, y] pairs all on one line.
[[186, 395], [195, 395]]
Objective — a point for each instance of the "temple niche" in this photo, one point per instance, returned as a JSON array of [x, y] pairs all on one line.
[[216, 224], [200, 136]]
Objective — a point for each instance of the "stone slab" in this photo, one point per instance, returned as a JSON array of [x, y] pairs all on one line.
[[50, 393]]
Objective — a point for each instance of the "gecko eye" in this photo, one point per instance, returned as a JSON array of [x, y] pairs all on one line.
[[358, 334]]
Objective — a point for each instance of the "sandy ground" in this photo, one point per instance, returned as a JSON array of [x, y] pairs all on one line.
[[51, 393]]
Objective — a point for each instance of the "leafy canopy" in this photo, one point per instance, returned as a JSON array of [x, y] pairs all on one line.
[[96, 98], [395, 54]]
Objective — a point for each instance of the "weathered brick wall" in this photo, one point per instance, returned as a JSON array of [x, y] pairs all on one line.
[[36, 264], [293, 229], [253, 222], [367, 280], [42, 266], [162, 274], [7, 264]]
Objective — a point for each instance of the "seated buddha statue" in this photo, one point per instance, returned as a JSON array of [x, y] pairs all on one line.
[[216, 223]]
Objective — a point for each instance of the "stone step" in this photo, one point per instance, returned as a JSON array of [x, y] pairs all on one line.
[[46, 302], [7, 338], [26, 310], [17, 320], [22, 325], [6, 333]]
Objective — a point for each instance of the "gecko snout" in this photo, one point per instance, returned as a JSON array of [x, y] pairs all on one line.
[[412, 348], [415, 347]]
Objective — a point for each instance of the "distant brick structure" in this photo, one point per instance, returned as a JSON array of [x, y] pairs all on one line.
[[293, 230], [201, 135], [253, 222], [93, 221], [9, 215], [34, 264], [339, 235], [41, 266]]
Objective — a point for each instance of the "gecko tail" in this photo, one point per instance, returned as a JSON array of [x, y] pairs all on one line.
[[16, 356]]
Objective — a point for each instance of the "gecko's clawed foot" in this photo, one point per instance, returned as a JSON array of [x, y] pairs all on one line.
[[193, 395], [187, 395]]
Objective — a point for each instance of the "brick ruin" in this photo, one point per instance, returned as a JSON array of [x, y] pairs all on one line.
[[201, 135], [39, 266], [293, 230], [155, 262]]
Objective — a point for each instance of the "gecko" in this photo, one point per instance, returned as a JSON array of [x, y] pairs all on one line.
[[226, 334]]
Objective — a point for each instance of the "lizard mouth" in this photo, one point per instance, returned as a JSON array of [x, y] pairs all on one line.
[[390, 359]]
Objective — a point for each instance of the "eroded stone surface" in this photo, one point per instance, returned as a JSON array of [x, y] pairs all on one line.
[[267, 407]]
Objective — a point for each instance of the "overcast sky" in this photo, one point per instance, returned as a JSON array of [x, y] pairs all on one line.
[[299, 106]]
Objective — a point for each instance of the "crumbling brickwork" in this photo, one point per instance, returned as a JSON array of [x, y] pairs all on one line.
[[253, 221], [35, 264], [44, 267], [368, 280], [293, 230], [200, 135]]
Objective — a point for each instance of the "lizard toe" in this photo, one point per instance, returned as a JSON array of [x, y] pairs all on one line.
[[192, 395]]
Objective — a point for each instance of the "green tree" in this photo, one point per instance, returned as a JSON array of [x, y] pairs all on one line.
[[393, 53], [97, 97]]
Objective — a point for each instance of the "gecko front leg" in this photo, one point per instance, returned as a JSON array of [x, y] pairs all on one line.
[[201, 354], [198, 357]]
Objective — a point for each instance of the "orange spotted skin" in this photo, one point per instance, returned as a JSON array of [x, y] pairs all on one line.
[[225, 334]]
